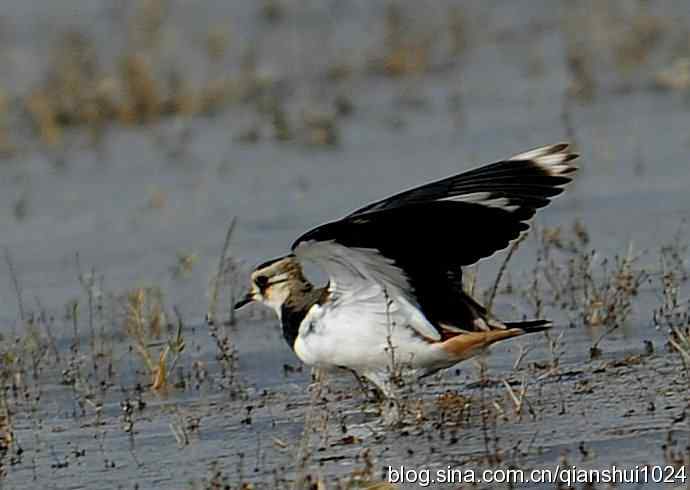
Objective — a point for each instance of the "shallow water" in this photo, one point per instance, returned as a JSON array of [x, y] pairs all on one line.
[[632, 189]]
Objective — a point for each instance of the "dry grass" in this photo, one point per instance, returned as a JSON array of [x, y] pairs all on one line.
[[402, 55], [226, 277], [144, 322], [304, 480], [676, 76], [137, 86], [599, 290], [10, 451], [673, 314], [7, 148], [511, 399], [82, 94], [84, 91]]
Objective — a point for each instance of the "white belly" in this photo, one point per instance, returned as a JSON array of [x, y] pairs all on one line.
[[362, 343]]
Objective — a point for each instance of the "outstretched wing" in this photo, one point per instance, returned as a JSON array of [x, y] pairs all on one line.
[[519, 185], [415, 243]]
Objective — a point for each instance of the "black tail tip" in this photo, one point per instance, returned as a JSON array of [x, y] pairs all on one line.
[[531, 326]]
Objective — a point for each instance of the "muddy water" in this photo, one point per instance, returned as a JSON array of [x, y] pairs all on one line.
[[509, 82]]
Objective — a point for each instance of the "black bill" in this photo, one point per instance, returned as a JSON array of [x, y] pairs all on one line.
[[244, 301]]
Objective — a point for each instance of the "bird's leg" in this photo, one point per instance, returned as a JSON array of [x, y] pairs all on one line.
[[360, 381], [318, 377], [372, 393], [386, 395], [385, 388]]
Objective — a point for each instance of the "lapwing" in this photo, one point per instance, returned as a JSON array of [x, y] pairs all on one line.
[[394, 301]]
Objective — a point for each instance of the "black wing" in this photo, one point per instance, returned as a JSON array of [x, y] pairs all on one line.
[[431, 231], [526, 181]]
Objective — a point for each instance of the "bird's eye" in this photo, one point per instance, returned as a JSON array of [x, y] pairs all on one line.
[[261, 281]]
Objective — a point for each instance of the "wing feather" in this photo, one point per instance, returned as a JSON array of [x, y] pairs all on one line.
[[357, 274], [536, 174], [415, 242]]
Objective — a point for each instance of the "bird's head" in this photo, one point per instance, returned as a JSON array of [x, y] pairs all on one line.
[[272, 283]]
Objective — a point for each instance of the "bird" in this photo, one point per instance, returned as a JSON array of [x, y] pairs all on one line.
[[394, 301]]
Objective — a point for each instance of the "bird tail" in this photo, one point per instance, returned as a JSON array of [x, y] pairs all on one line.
[[466, 345], [530, 326]]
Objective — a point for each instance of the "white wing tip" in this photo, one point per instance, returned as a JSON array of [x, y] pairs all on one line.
[[554, 159]]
